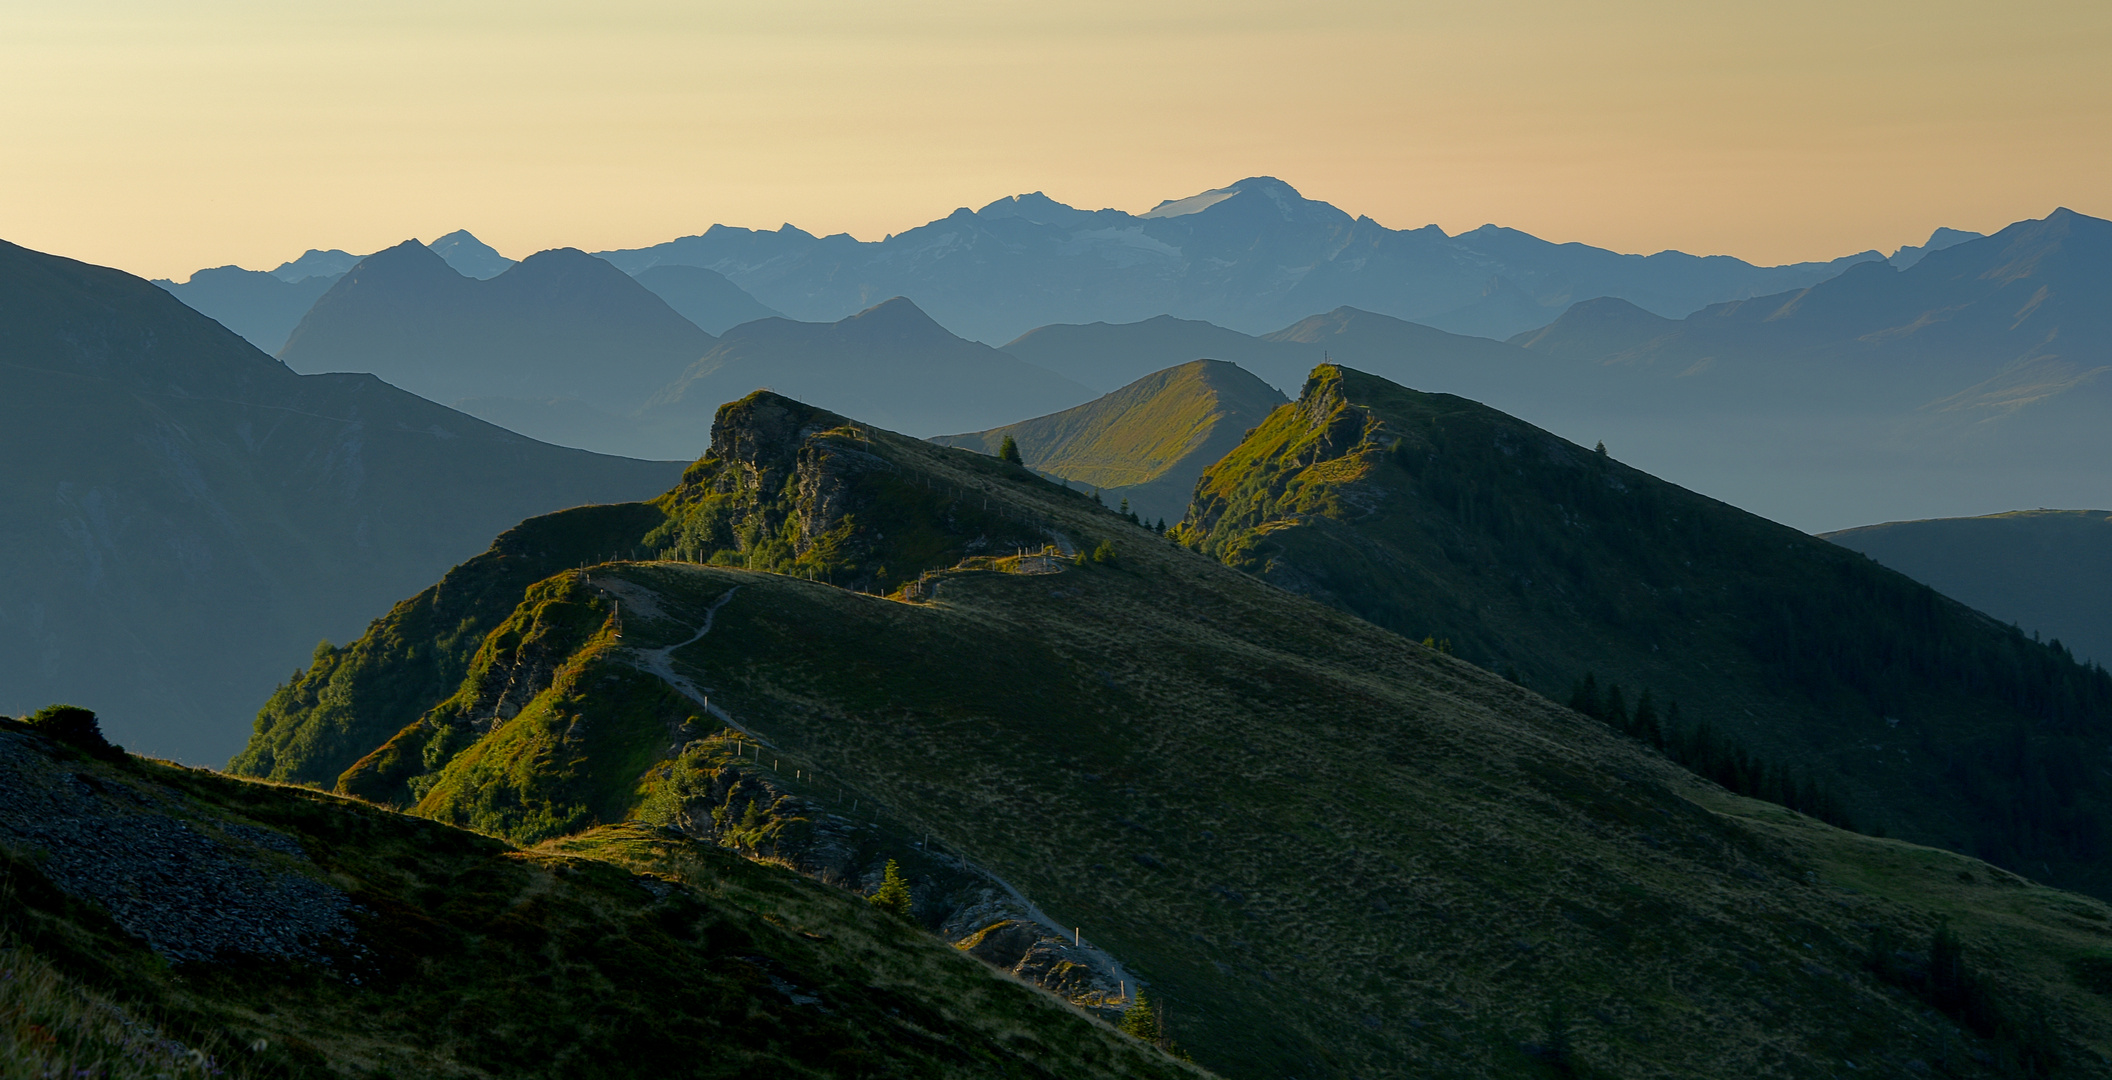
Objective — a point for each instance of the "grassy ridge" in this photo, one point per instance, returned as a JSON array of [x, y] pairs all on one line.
[[1433, 515], [1146, 442]]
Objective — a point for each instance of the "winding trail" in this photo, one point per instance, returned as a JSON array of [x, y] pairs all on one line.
[[660, 663]]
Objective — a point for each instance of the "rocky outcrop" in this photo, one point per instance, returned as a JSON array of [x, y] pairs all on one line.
[[191, 887], [747, 809], [798, 490]]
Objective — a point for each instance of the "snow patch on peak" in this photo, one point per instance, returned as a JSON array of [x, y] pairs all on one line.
[[1193, 204]]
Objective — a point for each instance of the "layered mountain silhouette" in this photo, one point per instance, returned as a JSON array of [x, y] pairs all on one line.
[[1439, 517], [1250, 256], [561, 324], [261, 307], [1975, 376], [1146, 443], [1938, 240], [704, 297], [1322, 849], [185, 517], [2047, 571], [891, 362]]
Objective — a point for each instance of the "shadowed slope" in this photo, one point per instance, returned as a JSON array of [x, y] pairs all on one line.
[[1145, 443], [184, 517], [1433, 515]]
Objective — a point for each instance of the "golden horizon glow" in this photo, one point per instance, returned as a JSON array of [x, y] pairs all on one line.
[[163, 138]]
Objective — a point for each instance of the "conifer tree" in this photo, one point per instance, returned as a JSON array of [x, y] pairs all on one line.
[[893, 894], [1142, 1021], [1008, 452], [1645, 725]]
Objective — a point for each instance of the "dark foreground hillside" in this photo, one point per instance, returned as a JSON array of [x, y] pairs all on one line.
[[1811, 666], [288, 933], [1325, 851]]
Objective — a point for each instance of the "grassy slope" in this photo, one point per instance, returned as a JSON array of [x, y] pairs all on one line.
[[2049, 571], [1330, 852], [1433, 515], [1146, 442], [621, 952], [351, 698]]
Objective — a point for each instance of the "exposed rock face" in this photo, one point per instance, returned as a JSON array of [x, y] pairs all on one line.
[[191, 888], [799, 490], [749, 811]]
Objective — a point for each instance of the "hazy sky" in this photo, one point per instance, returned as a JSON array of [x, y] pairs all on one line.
[[161, 136]]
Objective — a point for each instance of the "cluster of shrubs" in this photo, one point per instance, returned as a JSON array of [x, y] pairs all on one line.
[[76, 727], [1705, 753], [1940, 977]]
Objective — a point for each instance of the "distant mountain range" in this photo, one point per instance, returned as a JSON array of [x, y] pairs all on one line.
[[1251, 256], [566, 348], [184, 517], [2047, 571], [1145, 444]]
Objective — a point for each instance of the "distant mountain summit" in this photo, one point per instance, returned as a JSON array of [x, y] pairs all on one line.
[[1250, 256], [470, 256], [316, 262], [184, 517], [561, 324], [1938, 240], [1146, 443]]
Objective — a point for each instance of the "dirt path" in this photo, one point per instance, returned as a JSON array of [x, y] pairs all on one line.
[[660, 663]]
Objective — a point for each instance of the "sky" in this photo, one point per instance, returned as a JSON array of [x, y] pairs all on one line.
[[163, 137]]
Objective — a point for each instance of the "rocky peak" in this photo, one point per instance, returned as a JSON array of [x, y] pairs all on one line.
[[763, 432]]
